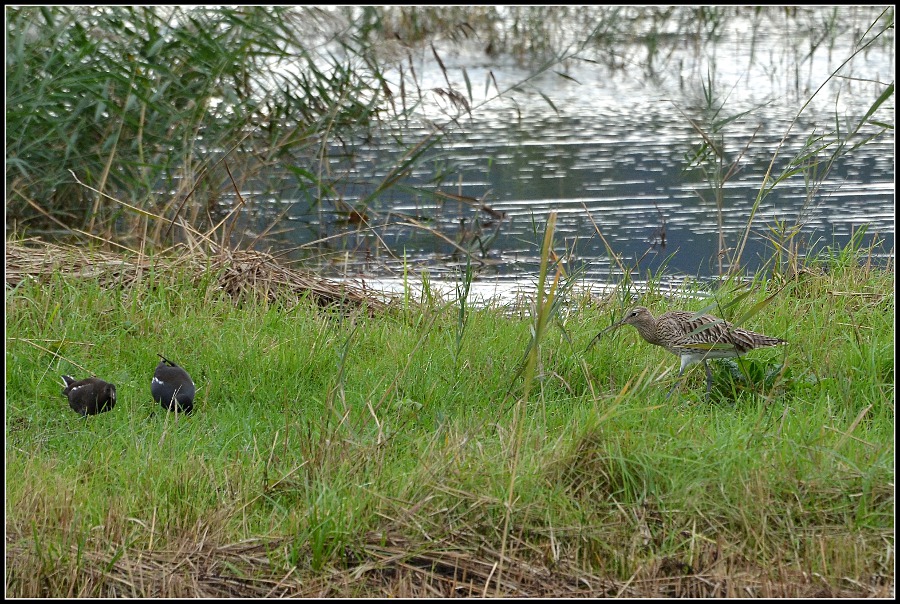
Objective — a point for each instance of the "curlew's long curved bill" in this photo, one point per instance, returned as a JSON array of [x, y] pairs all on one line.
[[610, 328]]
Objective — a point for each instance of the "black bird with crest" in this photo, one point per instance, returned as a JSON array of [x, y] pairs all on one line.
[[172, 387]]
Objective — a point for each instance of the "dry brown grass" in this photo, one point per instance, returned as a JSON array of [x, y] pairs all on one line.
[[242, 274], [381, 566]]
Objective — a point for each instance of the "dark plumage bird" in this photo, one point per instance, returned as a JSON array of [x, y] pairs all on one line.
[[89, 396], [172, 387]]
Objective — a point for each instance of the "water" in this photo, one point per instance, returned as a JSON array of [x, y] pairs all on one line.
[[610, 157]]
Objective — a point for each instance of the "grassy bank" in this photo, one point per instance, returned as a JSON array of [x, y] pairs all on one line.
[[357, 454]]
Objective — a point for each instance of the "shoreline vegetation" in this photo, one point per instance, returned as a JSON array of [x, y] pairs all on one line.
[[400, 450], [263, 117]]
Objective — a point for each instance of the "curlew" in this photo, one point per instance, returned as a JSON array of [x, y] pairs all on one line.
[[693, 337]]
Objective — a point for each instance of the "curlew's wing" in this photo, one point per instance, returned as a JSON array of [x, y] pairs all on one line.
[[702, 333], [705, 333]]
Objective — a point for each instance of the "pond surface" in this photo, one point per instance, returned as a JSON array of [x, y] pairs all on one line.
[[611, 157]]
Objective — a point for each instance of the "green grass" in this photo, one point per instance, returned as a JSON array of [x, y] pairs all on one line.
[[329, 438]]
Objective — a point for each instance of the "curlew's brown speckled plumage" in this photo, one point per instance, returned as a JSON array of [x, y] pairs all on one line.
[[694, 338]]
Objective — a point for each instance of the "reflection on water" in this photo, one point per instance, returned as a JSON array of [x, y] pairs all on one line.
[[613, 163]]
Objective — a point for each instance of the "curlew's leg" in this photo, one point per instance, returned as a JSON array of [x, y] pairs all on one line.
[[677, 383], [709, 378]]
